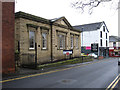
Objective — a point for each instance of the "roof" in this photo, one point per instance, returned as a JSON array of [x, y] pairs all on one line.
[[90, 27], [55, 19], [61, 18], [28, 16], [31, 17], [114, 39]]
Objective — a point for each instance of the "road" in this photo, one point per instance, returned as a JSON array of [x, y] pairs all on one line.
[[94, 75]]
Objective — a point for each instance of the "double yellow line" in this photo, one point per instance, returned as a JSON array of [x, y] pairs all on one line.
[[114, 83]]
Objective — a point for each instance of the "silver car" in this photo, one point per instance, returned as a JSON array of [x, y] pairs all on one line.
[[93, 54]]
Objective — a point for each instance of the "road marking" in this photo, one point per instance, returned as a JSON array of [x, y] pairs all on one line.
[[46, 72], [113, 82]]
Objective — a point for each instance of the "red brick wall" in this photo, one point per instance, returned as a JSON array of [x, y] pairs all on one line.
[[8, 21]]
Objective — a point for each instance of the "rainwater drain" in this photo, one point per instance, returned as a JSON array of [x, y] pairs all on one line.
[[67, 81]]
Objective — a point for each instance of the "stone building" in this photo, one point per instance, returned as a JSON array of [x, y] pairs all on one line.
[[49, 40]]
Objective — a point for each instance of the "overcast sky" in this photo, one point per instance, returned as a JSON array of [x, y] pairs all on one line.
[[56, 8]]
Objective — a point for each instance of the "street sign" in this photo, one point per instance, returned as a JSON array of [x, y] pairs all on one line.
[[67, 52], [94, 47]]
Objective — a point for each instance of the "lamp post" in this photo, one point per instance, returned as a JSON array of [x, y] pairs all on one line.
[[82, 44], [82, 39]]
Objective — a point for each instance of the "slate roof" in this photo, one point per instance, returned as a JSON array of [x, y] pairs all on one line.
[[90, 27], [114, 39]]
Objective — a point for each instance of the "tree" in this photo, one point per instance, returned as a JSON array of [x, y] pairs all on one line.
[[91, 4]]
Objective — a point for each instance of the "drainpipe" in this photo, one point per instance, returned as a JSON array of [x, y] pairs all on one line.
[[35, 55], [51, 42]]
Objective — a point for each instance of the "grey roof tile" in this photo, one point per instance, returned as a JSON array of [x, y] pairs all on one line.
[[114, 39], [90, 27]]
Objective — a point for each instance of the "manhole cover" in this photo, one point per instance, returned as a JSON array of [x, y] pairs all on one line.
[[67, 81]]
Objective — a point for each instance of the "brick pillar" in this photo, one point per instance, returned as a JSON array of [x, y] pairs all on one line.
[[8, 21]]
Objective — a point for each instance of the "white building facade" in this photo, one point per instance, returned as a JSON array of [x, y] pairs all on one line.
[[94, 33]]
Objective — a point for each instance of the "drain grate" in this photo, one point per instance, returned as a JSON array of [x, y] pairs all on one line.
[[67, 81]]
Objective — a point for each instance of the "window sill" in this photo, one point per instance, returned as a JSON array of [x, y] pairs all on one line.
[[44, 49], [31, 49], [60, 49]]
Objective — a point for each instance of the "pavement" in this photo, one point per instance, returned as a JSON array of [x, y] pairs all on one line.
[[28, 71]]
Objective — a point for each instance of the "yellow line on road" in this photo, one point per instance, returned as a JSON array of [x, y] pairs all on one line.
[[113, 82], [46, 72]]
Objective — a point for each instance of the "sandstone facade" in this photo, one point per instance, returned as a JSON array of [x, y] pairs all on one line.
[[51, 50]]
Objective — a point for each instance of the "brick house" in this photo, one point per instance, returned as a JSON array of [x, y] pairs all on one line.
[[53, 38]]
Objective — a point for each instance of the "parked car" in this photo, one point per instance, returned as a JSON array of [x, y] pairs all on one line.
[[93, 54], [118, 61]]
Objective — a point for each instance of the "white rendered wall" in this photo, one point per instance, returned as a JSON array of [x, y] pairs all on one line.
[[89, 37], [104, 37]]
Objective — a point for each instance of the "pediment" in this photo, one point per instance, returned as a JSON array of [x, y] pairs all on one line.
[[62, 21]]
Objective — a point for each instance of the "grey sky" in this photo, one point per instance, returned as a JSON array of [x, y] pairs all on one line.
[[56, 8]]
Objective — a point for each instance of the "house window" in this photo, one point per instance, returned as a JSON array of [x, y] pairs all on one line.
[[77, 42], [31, 40], [114, 44], [104, 28], [106, 43], [61, 41], [101, 42], [44, 40], [101, 34], [106, 35], [71, 42]]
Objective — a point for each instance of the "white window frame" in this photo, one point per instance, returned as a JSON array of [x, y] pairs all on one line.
[[32, 48], [44, 40], [77, 42], [61, 41], [71, 42]]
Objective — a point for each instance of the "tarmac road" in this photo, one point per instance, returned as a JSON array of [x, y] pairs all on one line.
[[94, 75]]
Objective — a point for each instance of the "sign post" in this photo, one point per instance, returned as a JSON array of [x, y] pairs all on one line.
[[67, 52]]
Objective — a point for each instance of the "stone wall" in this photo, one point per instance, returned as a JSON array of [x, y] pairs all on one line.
[[27, 55]]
